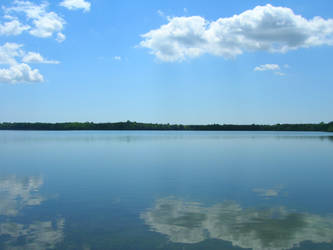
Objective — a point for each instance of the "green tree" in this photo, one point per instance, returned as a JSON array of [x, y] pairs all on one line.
[[330, 128]]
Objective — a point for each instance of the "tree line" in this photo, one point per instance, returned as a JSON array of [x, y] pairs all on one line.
[[325, 127]]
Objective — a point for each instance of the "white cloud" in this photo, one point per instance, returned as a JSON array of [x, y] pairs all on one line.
[[271, 67], [60, 37], [160, 13], [20, 73], [118, 58], [279, 73], [182, 37], [265, 67], [264, 28], [47, 25], [33, 57], [13, 27], [44, 23], [9, 52], [12, 54], [18, 70], [76, 4], [9, 17]]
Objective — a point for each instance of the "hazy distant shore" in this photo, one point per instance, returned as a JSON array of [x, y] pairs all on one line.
[[324, 127]]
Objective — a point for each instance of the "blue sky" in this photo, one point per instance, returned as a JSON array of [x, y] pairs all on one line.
[[76, 60]]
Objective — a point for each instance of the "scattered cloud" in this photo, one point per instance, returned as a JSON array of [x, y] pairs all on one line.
[[160, 13], [279, 73], [76, 4], [47, 25], [13, 28], [17, 61], [20, 73], [265, 67], [43, 23], [118, 58], [9, 17], [264, 28], [33, 18], [272, 67], [9, 52], [190, 222], [60, 37], [33, 57]]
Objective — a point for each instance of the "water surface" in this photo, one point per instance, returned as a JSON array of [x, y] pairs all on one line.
[[166, 190]]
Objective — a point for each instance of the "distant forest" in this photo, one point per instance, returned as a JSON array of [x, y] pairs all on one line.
[[325, 127]]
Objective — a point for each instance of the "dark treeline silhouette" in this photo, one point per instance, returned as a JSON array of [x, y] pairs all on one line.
[[328, 127]]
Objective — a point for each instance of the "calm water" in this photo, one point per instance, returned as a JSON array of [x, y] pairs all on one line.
[[166, 190]]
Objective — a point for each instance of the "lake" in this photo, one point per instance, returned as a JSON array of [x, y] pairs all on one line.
[[166, 190]]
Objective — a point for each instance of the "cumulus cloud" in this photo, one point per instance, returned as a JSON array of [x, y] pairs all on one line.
[[17, 60], [33, 18], [258, 229], [33, 57], [265, 67], [76, 4], [9, 52], [20, 73], [118, 58], [264, 28], [13, 28], [44, 23], [47, 25]]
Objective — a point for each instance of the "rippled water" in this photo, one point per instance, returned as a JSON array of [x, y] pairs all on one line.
[[166, 190]]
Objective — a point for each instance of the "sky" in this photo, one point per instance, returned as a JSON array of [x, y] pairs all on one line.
[[184, 61]]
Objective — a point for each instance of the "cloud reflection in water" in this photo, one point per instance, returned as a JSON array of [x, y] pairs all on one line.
[[268, 193], [16, 194], [38, 235], [276, 228]]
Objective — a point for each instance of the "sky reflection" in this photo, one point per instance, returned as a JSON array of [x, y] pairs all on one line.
[[38, 235], [15, 195], [268, 193], [274, 228]]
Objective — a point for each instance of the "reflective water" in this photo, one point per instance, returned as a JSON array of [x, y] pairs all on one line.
[[166, 190]]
